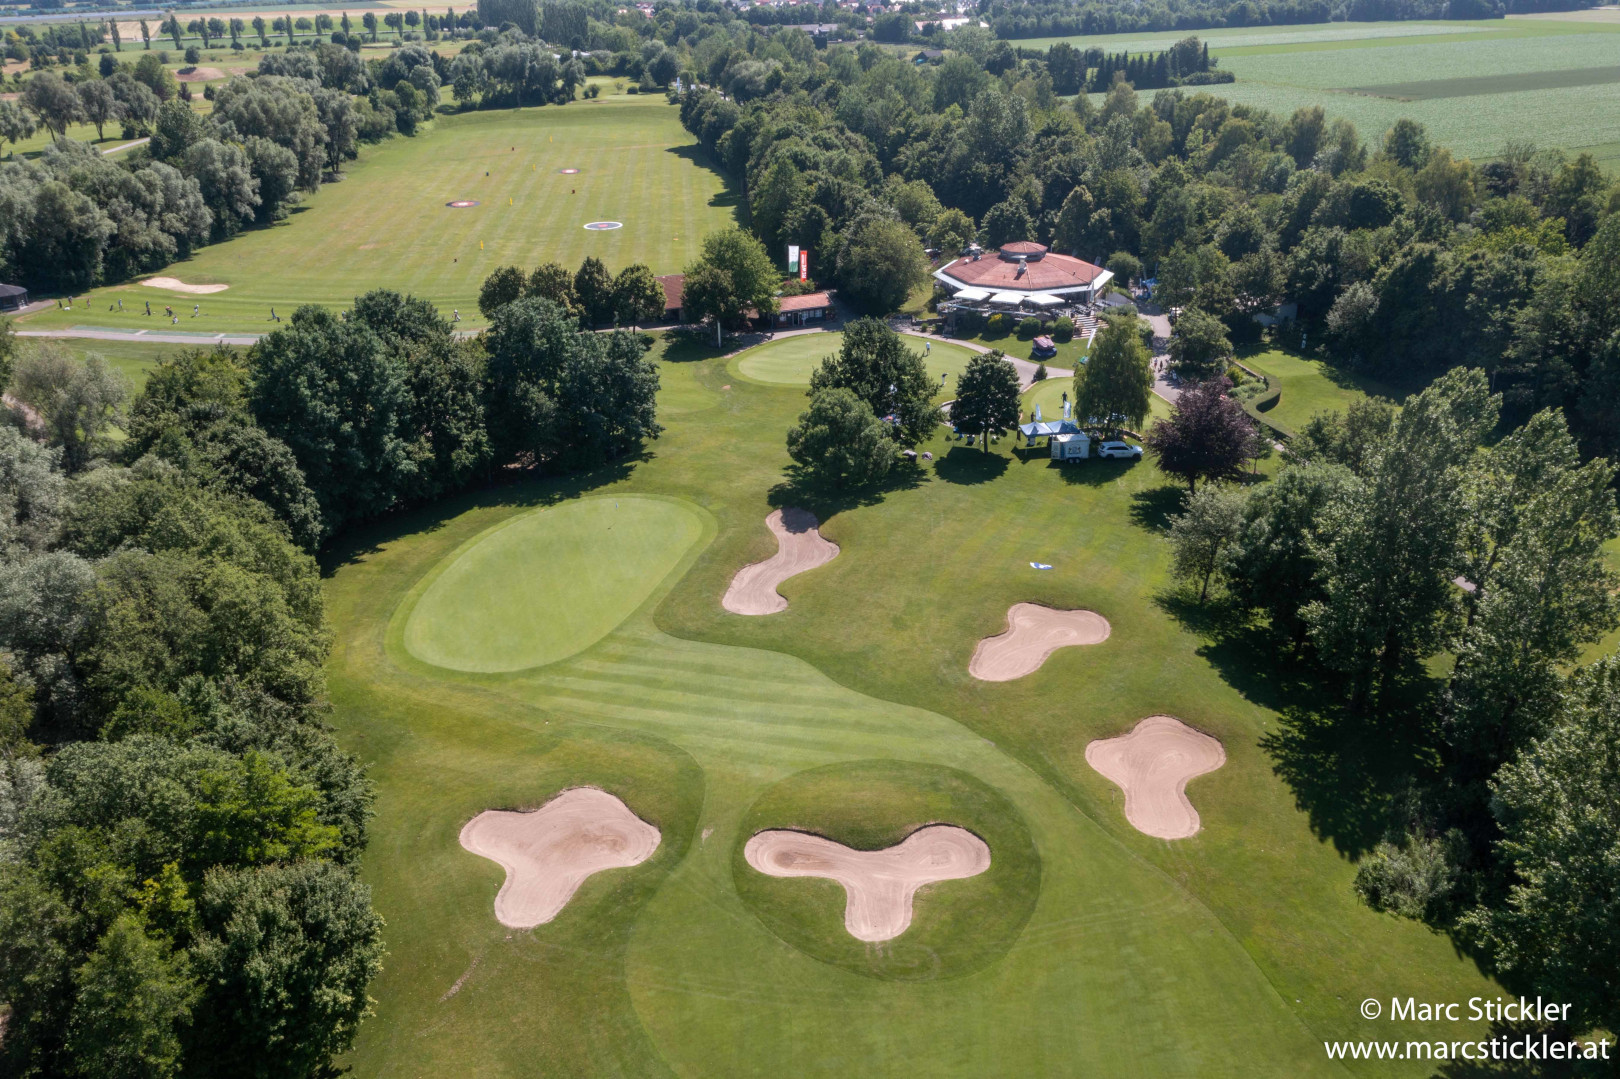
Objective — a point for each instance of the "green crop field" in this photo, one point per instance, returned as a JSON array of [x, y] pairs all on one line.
[[1088, 949], [387, 226], [1475, 85]]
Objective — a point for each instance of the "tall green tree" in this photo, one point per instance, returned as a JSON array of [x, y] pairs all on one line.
[[1555, 930], [79, 401], [874, 363], [593, 287], [339, 400], [1117, 386], [880, 263], [1201, 534], [1391, 550], [734, 273], [1200, 348], [501, 287], [840, 441], [986, 397], [637, 295], [1539, 589]]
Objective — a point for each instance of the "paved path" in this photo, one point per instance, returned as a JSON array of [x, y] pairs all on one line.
[[86, 333], [127, 145]]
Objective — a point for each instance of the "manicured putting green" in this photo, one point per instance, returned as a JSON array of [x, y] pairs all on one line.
[[1311, 386], [549, 584], [790, 361]]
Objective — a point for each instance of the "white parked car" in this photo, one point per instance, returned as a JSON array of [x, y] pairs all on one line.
[[1120, 449]]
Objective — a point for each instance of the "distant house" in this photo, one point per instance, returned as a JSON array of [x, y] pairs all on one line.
[[929, 56], [674, 293], [13, 297]]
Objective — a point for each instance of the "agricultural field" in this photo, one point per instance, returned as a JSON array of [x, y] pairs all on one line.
[[1475, 86], [498, 649], [388, 225]]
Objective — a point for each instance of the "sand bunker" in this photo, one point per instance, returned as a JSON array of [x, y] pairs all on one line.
[[174, 284], [1033, 633], [200, 74], [799, 548], [548, 853], [879, 883], [1152, 765]]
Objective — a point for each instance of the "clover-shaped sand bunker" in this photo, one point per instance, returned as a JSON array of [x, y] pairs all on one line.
[[548, 853], [1033, 633], [879, 884], [1152, 765], [799, 548]]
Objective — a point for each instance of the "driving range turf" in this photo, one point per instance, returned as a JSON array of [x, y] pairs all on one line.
[[386, 224], [1089, 949]]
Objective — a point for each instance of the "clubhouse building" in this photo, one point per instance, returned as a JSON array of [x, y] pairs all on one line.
[[1021, 275]]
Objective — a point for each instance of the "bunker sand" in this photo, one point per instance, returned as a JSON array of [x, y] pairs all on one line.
[[1033, 633], [174, 284], [1152, 765], [799, 548], [549, 852], [879, 884]]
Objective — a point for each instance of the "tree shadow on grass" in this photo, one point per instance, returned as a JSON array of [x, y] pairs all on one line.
[[1348, 772], [515, 487], [729, 198], [802, 489], [1153, 509], [970, 465]]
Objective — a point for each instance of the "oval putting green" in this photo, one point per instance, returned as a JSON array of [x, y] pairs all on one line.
[[790, 360], [549, 584]]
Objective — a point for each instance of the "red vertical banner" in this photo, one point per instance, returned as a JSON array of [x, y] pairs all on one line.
[[804, 264]]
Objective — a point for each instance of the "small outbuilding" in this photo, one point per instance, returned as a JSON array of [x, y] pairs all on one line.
[[13, 297], [1070, 447]]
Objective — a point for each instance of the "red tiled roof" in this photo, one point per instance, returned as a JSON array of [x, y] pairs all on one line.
[[804, 303], [1046, 273], [674, 290]]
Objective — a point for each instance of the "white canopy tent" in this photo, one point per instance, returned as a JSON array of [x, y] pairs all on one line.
[[1044, 299], [972, 295], [1008, 297]]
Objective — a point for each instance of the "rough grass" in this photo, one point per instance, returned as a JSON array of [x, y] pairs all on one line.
[[386, 224], [1311, 386], [1232, 953]]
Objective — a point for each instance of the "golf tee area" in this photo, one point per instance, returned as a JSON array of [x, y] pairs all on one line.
[[562, 644]]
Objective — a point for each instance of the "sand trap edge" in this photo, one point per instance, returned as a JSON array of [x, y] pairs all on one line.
[[510, 871], [1181, 784], [976, 660]]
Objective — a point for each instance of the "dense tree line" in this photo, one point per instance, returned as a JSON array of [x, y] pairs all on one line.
[[1391, 538], [178, 833]]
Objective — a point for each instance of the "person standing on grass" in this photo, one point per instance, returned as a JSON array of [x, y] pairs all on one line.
[[149, 307]]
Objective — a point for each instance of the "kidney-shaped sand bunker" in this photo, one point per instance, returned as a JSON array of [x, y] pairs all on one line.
[[1152, 765], [549, 852], [799, 548], [549, 584], [879, 884], [1033, 633]]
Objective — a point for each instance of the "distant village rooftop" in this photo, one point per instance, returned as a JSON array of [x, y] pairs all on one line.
[[1024, 268]]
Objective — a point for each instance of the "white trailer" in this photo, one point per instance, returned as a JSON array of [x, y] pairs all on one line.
[[1073, 447]]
